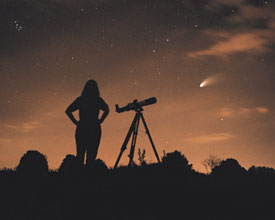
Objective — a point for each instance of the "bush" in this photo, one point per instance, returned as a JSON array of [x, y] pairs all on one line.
[[100, 167], [70, 166], [176, 161], [33, 163], [262, 171]]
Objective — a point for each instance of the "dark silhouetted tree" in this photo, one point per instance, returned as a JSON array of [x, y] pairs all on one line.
[[228, 167], [211, 162], [33, 163]]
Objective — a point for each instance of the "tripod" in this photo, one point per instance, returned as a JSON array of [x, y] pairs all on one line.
[[134, 131]]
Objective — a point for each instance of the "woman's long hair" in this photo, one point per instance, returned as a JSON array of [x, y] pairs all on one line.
[[90, 90]]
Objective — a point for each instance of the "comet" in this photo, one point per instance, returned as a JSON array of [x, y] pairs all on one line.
[[210, 80], [203, 83]]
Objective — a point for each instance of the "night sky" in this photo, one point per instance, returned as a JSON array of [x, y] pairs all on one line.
[[209, 63]]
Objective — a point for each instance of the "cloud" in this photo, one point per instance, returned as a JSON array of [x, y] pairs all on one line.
[[218, 3], [262, 110], [23, 127], [5, 140], [226, 112], [258, 110], [243, 111], [210, 138], [248, 13], [244, 35], [244, 42]]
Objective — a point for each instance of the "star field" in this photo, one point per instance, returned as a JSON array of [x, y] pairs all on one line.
[[137, 49]]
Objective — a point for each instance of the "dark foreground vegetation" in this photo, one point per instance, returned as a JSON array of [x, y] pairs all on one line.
[[169, 190]]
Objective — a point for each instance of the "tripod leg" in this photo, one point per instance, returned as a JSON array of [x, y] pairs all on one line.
[[150, 138], [134, 141], [124, 145]]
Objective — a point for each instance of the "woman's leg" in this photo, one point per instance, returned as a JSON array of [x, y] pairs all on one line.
[[80, 149], [92, 149], [80, 152]]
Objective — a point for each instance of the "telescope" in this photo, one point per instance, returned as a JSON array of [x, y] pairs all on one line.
[[133, 130], [135, 105]]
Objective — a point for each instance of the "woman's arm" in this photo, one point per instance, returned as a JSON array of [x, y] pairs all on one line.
[[71, 116], [104, 115], [105, 109], [71, 108]]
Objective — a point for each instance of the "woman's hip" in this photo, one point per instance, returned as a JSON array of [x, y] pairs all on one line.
[[88, 133]]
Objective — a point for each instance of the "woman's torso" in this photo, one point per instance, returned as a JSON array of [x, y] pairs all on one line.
[[89, 111]]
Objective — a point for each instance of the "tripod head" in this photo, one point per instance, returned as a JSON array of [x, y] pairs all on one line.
[[135, 105]]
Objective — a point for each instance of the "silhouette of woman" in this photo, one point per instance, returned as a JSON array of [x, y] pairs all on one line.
[[88, 130]]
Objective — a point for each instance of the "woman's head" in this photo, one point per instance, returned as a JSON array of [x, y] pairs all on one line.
[[90, 89]]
